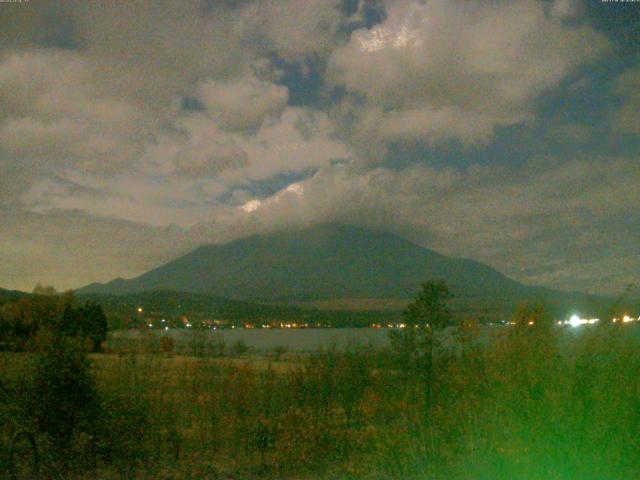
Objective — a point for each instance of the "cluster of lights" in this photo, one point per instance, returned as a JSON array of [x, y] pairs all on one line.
[[293, 325], [393, 325], [576, 321], [626, 319]]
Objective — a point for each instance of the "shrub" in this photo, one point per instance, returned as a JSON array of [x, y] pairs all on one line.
[[122, 434], [64, 399], [279, 351], [197, 341], [239, 348], [217, 346], [167, 345]]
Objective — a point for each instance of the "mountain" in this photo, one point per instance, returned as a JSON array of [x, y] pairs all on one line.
[[331, 265], [318, 263], [7, 295]]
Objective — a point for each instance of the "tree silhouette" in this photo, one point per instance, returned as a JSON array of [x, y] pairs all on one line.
[[424, 316], [429, 309]]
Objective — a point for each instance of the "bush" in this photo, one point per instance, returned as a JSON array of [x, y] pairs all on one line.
[[76, 427], [217, 346], [279, 351], [64, 400], [167, 345], [197, 339], [239, 348], [122, 434]]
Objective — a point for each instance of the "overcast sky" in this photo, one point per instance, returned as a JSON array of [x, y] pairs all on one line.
[[503, 131]]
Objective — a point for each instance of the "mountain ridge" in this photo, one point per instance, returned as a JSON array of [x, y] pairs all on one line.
[[328, 261]]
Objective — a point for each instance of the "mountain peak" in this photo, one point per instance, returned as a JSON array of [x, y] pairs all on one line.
[[324, 261]]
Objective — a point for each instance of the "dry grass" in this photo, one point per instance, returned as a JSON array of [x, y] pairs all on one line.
[[532, 405]]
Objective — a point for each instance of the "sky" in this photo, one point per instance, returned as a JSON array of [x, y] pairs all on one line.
[[504, 131]]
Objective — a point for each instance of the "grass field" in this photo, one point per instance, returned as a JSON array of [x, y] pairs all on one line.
[[534, 404]]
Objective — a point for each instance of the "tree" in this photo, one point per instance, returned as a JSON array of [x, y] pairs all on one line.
[[429, 309], [93, 323], [5, 332], [167, 345], [45, 290], [532, 316], [64, 396], [424, 316], [87, 321]]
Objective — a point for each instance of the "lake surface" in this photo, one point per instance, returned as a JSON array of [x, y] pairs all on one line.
[[306, 339], [301, 340]]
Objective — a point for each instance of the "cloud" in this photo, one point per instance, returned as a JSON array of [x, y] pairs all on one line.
[[118, 120], [566, 8], [293, 140], [627, 85], [37, 248], [209, 157], [93, 121], [441, 71], [183, 174], [70, 140], [243, 104], [297, 31], [56, 115], [570, 133]]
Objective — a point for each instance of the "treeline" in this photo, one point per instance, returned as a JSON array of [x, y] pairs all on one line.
[[122, 311], [28, 322]]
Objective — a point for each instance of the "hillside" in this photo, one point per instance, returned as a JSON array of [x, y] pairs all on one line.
[[7, 295]]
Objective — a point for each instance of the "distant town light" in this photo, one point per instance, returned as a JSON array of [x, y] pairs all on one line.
[[575, 321]]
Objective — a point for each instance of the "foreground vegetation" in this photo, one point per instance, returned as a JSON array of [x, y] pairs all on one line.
[[535, 402], [27, 323], [523, 408]]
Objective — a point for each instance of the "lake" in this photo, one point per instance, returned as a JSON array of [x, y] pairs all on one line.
[[300, 339]]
